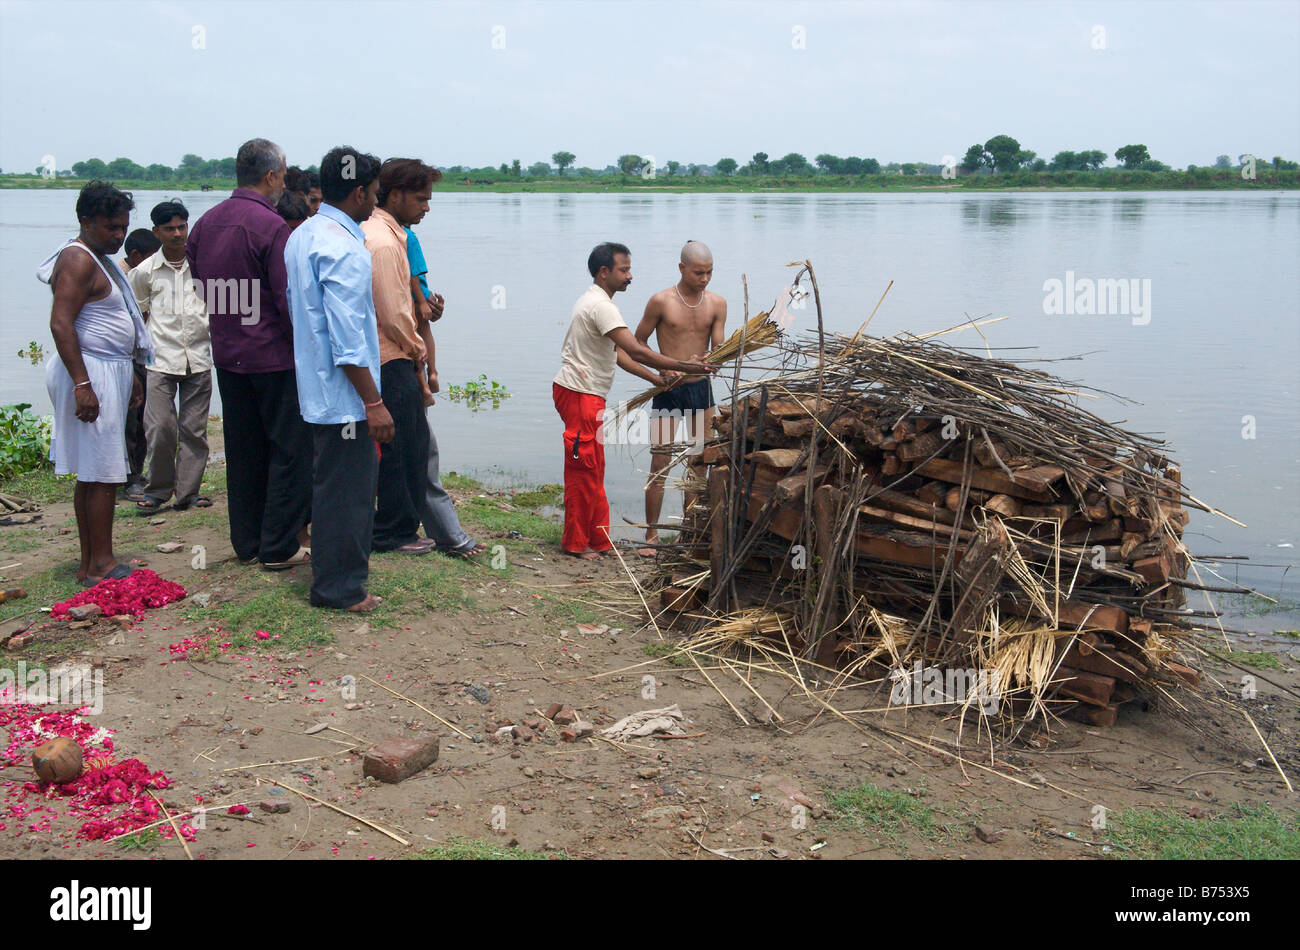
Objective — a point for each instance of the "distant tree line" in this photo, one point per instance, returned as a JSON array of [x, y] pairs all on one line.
[[1000, 155]]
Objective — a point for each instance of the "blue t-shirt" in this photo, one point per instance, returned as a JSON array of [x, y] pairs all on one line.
[[415, 257]]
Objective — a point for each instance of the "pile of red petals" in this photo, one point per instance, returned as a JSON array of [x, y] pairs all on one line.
[[109, 798], [130, 595]]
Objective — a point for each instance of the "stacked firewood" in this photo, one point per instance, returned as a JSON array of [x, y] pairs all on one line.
[[972, 497]]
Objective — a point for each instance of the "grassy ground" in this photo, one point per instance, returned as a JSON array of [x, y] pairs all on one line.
[[888, 814], [478, 849], [1251, 832]]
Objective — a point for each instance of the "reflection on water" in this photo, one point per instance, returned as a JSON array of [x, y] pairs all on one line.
[[1222, 343]]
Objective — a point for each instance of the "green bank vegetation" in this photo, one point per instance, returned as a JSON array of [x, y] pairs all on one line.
[[999, 163]]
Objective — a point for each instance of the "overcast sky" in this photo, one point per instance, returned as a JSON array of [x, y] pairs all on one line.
[[482, 83]]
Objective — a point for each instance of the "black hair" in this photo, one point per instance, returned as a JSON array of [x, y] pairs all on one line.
[[313, 180], [255, 160], [405, 174], [164, 211], [344, 168], [292, 206], [142, 240], [602, 255], [99, 199]]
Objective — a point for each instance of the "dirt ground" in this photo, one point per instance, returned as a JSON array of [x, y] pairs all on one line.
[[453, 633]]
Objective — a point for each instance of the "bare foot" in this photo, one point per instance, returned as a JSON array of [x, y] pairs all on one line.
[[472, 552], [649, 550], [587, 555], [367, 605]]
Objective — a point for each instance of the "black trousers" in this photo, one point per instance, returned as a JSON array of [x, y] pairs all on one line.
[[404, 462], [344, 471], [137, 444], [268, 463]]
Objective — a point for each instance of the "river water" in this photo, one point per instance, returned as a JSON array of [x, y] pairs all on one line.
[[1209, 346]]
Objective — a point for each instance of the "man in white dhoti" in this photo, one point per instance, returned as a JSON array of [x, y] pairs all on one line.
[[97, 330]]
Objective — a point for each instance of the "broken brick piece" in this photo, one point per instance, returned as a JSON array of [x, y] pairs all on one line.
[[85, 611], [396, 759], [273, 807], [552, 710], [565, 716], [569, 735]]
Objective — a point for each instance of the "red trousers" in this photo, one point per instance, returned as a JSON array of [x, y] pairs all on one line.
[[586, 509]]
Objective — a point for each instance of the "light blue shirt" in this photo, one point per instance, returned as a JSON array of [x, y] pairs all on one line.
[[333, 315]]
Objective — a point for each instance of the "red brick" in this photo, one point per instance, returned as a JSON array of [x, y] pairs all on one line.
[[565, 716], [552, 710], [569, 735], [395, 759], [273, 807]]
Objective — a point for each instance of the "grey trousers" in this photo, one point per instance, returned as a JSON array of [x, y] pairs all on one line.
[[437, 512], [178, 445]]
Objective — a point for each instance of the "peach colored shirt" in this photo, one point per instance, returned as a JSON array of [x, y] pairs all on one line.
[[399, 337]]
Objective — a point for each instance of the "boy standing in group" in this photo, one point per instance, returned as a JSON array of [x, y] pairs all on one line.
[[173, 308]]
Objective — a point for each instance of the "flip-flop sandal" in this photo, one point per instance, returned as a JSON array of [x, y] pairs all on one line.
[[118, 572], [200, 502], [472, 550], [150, 506], [421, 546], [301, 556]]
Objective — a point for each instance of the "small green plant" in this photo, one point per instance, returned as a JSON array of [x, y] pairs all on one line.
[[24, 441], [479, 393], [885, 813], [34, 352], [1259, 659], [668, 651], [140, 841]]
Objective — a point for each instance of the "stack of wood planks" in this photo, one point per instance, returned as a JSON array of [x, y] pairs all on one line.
[[971, 496]]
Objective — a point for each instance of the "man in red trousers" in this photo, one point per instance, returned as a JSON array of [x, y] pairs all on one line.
[[590, 355]]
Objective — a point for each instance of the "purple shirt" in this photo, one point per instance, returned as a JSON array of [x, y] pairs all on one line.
[[236, 253]]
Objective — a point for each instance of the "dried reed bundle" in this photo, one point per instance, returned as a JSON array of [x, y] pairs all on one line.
[[758, 332]]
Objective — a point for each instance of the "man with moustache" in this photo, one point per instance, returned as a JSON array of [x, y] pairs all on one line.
[[98, 330], [236, 253], [596, 338], [336, 344]]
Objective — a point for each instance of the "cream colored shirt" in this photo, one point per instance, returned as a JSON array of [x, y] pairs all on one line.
[[390, 273], [590, 357], [170, 301]]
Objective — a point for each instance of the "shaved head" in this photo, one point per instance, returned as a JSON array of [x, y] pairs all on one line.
[[696, 252]]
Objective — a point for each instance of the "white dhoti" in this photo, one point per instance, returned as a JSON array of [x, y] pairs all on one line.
[[93, 451]]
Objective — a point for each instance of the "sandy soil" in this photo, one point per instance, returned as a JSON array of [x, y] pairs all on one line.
[[213, 721]]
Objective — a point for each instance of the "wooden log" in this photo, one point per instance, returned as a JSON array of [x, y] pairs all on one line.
[[780, 459], [1103, 716], [1185, 673], [1004, 505], [718, 508], [1107, 663], [1091, 688], [679, 598], [1032, 484], [1154, 570], [910, 505], [921, 446], [1046, 512], [887, 516], [933, 492]]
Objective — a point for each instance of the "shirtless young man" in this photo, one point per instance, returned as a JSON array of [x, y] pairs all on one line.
[[687, 319]]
